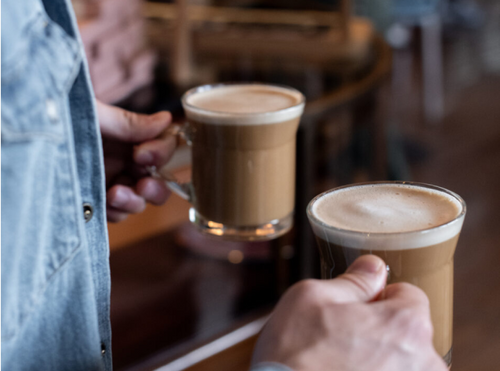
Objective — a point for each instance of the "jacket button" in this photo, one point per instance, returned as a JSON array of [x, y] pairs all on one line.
[[103, 349], [88, 211]]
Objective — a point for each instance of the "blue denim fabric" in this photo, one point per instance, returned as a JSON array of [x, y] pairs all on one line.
[[55, 270]]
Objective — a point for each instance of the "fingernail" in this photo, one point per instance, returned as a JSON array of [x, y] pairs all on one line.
[[121, 197], [144, 157], [367, 264]]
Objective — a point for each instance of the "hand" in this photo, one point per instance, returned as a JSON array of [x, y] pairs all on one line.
[[132, 141], [345, 325]]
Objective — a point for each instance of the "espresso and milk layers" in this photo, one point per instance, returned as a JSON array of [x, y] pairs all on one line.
[[413, 228], [243, 138]]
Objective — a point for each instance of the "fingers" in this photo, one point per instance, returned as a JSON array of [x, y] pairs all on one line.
[[155, 152], [408, 295], [153, 191], [120, 130], [407, 310], [122, 199], [115, 216], [123, 125], [362, 282]]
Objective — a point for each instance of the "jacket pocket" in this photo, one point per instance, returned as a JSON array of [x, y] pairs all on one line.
[[40, 215]]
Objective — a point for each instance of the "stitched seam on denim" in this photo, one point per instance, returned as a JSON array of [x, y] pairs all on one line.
[[10, 66], [13, 136], [76, 60], [71, 45], [68, 166], [39, 293], [42, 290], [72, 166], [62, 264]]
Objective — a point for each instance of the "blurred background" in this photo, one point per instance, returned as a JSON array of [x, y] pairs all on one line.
[[396, 89]]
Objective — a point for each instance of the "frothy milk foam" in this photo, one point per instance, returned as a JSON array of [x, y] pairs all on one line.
[[249, 104], [377, 210]]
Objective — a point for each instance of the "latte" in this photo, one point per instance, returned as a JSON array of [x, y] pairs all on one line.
[[243, 146], [413, 228]]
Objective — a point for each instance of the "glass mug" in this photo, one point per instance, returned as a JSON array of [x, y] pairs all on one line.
[[243, 141], [413, 227]]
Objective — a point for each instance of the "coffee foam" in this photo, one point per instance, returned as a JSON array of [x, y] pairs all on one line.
[[245, 104], [393, 216]]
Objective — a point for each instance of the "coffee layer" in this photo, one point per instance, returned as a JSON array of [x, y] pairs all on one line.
[[245, 104], [430, 268], [394, 216], [244, 175]]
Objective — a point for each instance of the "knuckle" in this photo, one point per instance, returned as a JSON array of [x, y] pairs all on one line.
[[132, 122], [412, 325], [415, 292], [426, 329], [308, 292], [129, 117], [361, 283]]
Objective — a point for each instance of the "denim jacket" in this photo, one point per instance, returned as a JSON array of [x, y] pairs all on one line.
[[55, 270], [55, 251]]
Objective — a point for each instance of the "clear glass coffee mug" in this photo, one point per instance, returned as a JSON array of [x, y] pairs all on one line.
[[243, 139], [356, 219]]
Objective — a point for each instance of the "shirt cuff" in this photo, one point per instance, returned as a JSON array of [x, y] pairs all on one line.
[[270, 366]]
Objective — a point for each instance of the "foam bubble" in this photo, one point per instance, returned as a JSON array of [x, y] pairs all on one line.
[[395, 216], [244, 104]]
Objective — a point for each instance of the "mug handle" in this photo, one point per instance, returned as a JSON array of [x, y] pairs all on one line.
[[183, 190]]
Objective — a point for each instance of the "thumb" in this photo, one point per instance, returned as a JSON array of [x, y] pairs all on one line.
[[126, 126], [362, 282]]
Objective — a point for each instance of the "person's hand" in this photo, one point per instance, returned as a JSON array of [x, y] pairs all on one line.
[[345, 324], [131, 142]]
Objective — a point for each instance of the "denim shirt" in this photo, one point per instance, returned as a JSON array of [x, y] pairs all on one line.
[[55, 262], [55, 265]]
